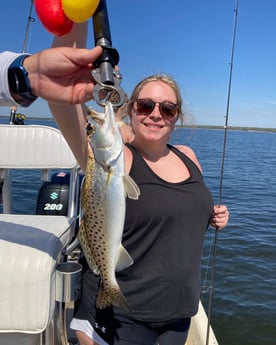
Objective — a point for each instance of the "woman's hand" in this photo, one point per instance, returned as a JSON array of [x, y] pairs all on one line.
[[220, 217]]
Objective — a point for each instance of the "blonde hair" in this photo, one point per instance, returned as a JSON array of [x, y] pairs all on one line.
[[164, 79]]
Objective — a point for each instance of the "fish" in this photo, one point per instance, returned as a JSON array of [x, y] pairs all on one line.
[[103, 202]]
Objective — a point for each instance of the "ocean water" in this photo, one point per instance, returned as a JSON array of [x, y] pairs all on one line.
[[244, 298]]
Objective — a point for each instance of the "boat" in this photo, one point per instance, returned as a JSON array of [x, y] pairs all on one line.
[[198, 329], [39, 254]]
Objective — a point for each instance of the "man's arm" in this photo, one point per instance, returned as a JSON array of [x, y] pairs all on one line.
[[60, 75]]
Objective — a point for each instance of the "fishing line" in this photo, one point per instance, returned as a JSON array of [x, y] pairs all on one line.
[[215, 239]]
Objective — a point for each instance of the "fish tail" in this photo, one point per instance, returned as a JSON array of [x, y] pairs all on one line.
[[112, 296]]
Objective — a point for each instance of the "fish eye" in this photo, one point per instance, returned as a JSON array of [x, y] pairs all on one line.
[[90, 129]]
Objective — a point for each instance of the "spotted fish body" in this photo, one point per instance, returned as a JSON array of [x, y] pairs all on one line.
[[103, 206]]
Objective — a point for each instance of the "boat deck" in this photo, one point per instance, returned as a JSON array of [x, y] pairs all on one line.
[[198, 329]]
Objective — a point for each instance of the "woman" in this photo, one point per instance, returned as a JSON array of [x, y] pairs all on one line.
[[164, 230]]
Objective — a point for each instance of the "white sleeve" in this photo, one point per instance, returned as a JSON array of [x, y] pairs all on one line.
[[6, 58]]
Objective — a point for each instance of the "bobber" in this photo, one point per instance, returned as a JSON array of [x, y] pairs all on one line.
[[79, 10], [53, 17]]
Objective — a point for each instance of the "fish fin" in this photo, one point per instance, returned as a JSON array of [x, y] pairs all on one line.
[[111, 296], [124, 259], [86, 249], [131, 188]]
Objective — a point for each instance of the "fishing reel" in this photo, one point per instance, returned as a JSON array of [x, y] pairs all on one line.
[[107, 77]]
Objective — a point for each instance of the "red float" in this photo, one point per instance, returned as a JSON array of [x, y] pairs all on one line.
[[52, 17]]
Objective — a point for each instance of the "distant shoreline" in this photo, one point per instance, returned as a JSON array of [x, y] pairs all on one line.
[[234, 128], [237, 128]]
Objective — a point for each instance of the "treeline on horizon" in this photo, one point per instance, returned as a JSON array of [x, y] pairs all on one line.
[[238, 128]]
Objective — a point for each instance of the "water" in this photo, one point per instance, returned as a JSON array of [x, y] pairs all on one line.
[[244, 303]]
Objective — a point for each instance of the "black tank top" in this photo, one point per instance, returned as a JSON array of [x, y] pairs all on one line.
[[164, 233]]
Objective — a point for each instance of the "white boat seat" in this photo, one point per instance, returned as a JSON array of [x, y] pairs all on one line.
[[30, 247], [34, 147]]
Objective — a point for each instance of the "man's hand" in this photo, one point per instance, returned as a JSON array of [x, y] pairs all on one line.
[[62, 74]]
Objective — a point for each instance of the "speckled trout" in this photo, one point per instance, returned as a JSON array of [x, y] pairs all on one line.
[[103, 194]]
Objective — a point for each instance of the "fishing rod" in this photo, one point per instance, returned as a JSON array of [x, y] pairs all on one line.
[[214, 245], [30, 20], [26, 39], [108, 79]]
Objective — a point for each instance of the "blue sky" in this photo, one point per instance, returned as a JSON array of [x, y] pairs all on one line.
[[188, 39]]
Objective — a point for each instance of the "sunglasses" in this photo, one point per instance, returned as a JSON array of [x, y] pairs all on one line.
[[167, 109]]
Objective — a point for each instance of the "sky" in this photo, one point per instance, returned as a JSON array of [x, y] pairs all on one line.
[[191, 40]]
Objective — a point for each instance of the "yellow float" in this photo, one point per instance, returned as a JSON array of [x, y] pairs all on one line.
[[79, 10]]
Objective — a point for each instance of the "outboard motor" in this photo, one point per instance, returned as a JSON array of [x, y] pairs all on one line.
[[53, 196]]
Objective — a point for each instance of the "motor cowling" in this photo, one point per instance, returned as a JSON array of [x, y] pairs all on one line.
[[53, 196]]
